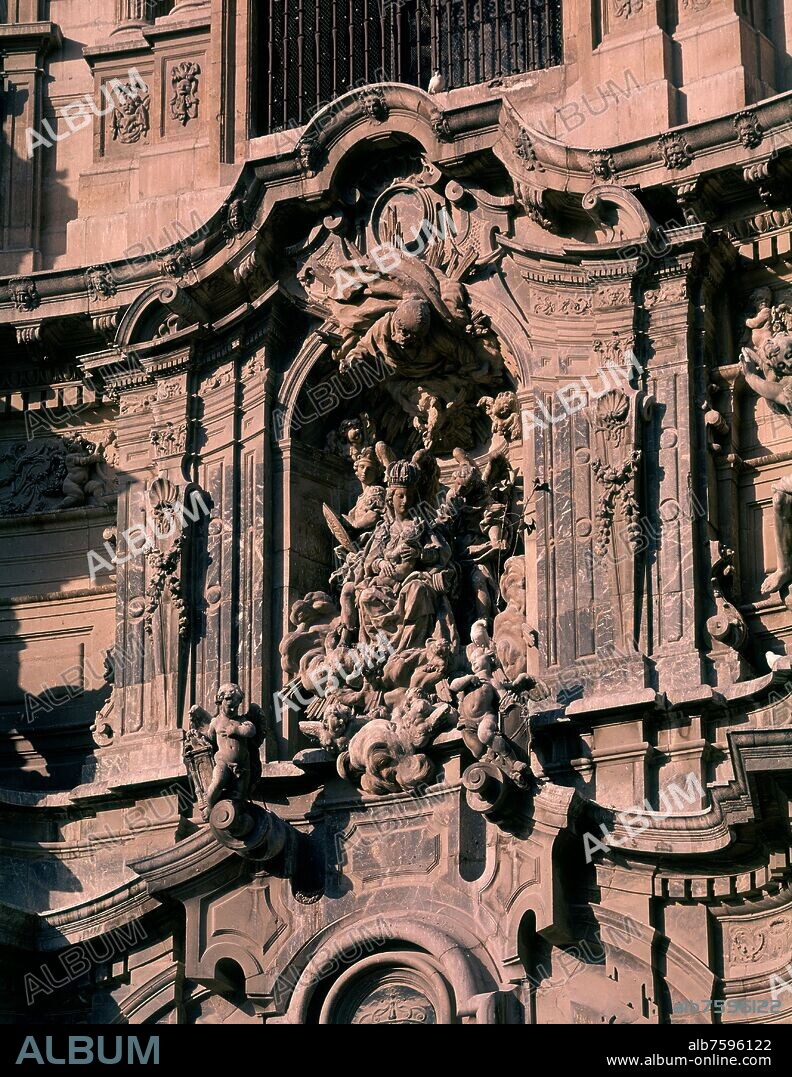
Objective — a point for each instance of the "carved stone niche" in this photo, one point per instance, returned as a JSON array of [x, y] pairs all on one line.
[[763, 428], [418, 488]]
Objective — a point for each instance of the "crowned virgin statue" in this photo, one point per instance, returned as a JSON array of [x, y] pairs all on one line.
[[407, 572]]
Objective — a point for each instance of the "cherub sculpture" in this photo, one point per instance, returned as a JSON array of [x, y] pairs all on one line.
[[236, 741], [504, 414], [353, 437], [774, 383], [82, 485], [758, 324], [486, 695]]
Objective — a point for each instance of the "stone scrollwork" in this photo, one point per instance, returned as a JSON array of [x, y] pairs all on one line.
[[103, 730], [533, 201], [522, 144]]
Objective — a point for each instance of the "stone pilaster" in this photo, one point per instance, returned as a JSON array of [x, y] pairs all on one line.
[[675, 518], [25, 42], [727, 58]]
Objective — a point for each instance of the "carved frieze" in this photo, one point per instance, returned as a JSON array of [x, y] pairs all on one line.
[[757, 944], [50, 474], [673, 290], [170, 439], [613, 295]]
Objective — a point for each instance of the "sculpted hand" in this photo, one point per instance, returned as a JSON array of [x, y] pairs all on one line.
[[351, 359]]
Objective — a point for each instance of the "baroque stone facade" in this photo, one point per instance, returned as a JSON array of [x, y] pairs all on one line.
[[396, 521]]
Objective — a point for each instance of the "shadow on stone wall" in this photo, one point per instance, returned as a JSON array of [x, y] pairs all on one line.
[[56, 668], [34, 193]]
